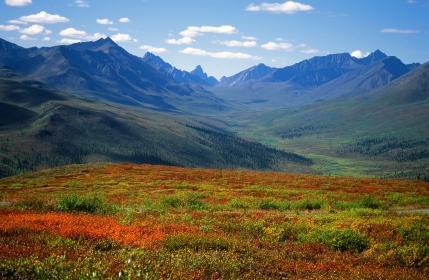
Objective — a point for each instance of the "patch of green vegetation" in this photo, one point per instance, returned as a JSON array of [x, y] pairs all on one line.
[[94, 204], [197, 243], [342, 240]]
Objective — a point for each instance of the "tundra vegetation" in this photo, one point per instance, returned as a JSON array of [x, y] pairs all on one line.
[[130, 221]]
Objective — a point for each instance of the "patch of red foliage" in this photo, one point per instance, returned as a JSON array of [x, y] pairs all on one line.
[[90, 227]]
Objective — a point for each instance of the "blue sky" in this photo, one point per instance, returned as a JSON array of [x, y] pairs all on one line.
[[226, 36]]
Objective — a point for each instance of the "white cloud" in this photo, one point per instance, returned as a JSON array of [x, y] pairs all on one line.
[[26, 38], [33, 30], [194, 31], [121, 37], [8, 27], [153, 49], [236, 43], [221, 55], [15, 21], [68, 41], [113, 29], [359, 54], [191, 32], [82, 3], [17, 3], [288, 7], [44, 17], [124, 20], [104, 21], [46, 39], [181, 41], [248, 38], [74, 35], [273, 46], [310, 51], [400, 31]]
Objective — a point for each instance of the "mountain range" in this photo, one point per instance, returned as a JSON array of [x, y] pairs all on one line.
[[94, 101]]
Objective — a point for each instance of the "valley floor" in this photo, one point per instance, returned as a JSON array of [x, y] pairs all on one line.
[[131, 221]]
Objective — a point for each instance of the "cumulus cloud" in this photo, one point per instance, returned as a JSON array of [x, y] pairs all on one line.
[[25, 37], [275, 46], [17, 3], [194, 31], [68, 41], [44, 17], [310, 51], [288, 7], [153, 49], [236, 43], [16, 21], [359, 54], [35, 29], [104, 21], [72, 35], [121, 37], [9, 27], [221, 55], [181, 41], [400, 31], [82, 3], [46, 39], [124, 20], [191, 32]]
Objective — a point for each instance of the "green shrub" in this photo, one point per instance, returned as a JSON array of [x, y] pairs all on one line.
[[413, 255], [238, 204], [341, 240], [269, 205], [74, 203], [193, 202], [416, 232], [309, 204], [369, 202], [172, 201]]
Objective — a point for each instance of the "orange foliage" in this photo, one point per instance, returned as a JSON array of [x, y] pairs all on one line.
[[91, 227]]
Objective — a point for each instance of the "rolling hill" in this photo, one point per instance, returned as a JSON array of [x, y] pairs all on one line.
[[382, 132], [41, 127]]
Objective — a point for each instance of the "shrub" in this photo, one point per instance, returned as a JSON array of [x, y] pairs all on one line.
[[33, 204], [416, 232], [309, 204], [342, 240], [413, 255], [172, 201], [269, 205], [369, 202], [237, 204], [73, 203], [194, 203]]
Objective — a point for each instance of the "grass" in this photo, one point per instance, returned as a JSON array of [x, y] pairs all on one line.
[[157, 222]]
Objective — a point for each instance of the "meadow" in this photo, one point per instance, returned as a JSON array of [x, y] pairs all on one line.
[[127, 221]]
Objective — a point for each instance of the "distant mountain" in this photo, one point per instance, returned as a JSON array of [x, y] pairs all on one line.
[[104, 70], [251, 75], [41, 127], [319, 78], [196, 77]]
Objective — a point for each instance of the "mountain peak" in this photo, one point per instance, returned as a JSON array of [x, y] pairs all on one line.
[[198, 71]]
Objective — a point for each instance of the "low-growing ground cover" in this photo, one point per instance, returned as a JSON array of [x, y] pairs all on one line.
[[156, 222]]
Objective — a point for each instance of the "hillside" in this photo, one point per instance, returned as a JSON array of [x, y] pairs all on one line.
[[310, 81], [383, 132], [103, 70], [129, 221], [41, 127]]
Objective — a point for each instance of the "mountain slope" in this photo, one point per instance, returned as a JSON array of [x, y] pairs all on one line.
[[320, 78], [103, 70], [384, 132], [41, 127]]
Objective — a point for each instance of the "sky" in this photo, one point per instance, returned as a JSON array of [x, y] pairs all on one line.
[[226, 36]]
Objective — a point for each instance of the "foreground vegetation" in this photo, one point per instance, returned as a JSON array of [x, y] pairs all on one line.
[[157, 222]]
